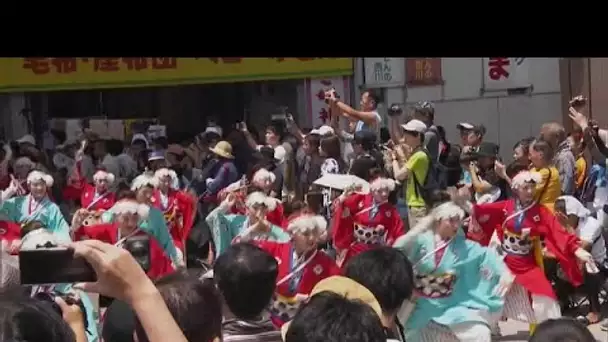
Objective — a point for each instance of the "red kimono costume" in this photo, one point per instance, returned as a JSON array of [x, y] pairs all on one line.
[[160, 263], [295, 279], [359, 225], [523, 252], [9, 232], [179, 212]]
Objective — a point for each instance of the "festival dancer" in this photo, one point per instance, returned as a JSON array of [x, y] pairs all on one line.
[[301, 265], [36, 206], [519, 226], [96, 197], [364, 220], [128, 214], [177, 207], [263, 181], [142, 189], [228, 228], [459, 285]]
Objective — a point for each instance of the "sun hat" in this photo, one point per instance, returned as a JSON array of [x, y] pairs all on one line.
[[223, 149]]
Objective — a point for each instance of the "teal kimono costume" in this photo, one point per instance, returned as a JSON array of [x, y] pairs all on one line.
[[22, 209], [454, 282], [91, 331], [226, 227], [155, 226]]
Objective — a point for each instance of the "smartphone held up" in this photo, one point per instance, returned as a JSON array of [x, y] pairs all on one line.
[[52, 265]]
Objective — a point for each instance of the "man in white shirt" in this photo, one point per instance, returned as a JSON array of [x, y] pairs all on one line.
[[575, 217], [366, 118]]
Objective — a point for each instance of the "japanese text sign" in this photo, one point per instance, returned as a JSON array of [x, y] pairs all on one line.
[[38, 74], [423, 71], [502, 73], [315, 95], [384, 72]]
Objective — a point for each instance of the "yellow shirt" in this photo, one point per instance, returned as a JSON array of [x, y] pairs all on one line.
[[418, 164], [552, 191], [581, 171]]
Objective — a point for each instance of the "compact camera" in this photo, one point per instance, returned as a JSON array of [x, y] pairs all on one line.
[[394, 110]]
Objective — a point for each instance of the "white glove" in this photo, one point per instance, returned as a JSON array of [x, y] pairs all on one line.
[[583, 255], [504, 284], [208, 181], [587, 258]]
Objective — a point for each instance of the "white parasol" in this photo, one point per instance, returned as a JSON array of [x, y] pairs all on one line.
[[341, 182]]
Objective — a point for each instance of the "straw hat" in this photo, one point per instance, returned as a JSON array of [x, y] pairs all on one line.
[[223, 149], [346, 287]]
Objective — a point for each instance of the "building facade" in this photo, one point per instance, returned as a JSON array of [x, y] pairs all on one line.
[[474, 90]]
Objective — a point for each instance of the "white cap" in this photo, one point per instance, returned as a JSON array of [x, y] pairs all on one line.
[[139, 136], [465, 125], [574, 207], [323, 130], [414, 126], [27, 139], [280, 154]]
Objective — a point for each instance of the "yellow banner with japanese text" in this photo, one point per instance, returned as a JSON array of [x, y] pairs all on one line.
[[46, 74]]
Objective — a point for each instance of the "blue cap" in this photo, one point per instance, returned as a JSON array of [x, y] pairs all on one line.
[[156, 155]]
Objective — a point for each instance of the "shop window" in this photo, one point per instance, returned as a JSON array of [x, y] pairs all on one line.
[[130, 103], [73, 104]]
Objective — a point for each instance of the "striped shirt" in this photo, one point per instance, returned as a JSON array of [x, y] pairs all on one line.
[[235, 330]]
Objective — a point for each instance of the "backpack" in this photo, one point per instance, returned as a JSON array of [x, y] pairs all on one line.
[[435, 179]]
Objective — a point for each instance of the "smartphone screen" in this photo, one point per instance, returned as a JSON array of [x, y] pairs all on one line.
[[52, 266]]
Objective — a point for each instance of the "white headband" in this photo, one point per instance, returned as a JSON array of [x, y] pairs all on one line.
[[130, 207], [36, 176], [257, 197], [101, 174], [446, 211], [164, 172], [382, 183], [263, 175], [307, 223], [144, 180], [525, 177]]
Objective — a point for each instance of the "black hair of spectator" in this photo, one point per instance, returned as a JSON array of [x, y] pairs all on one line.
[[372, 95], [193, 302], [278, 128], [563, 329], [118, 323], [314, 140], [330, 317], [524, 144], [59, 135], [365, 138], [25, 319], [114, 147], [442, 135], [126, 194], [438, 197], [331, 147], [363, 167], [161, 142], [246, 275], [209, 137], [387, 273]]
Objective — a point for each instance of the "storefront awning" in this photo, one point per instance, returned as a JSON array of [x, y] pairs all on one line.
[[49, 74]]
